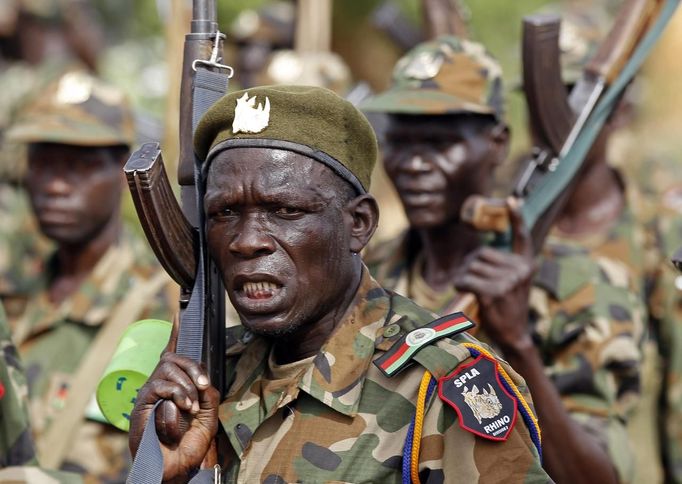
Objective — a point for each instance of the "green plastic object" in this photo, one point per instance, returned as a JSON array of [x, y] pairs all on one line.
[[136, 357]]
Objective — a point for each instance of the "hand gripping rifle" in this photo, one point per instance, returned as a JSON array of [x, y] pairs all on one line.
[[176, 232], [566, 126]]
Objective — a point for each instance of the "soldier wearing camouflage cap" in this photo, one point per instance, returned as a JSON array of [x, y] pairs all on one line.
[[314, 392], [445, 137], [79, 132]]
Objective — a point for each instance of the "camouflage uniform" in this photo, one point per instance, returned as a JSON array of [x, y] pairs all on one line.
[[80, 110], [336, 418], [17, 450], [53, 340], [22, 249], [16, 442], [587, 315], [660, 212]]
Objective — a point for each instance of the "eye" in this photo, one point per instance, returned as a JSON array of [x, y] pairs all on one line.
[[223, 212], [289, 212]]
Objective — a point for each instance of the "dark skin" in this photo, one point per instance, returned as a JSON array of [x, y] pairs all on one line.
[[278, 224], [75, 193], [435, 163]]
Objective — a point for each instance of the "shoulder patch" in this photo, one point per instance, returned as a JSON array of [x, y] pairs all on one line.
[[401, 353], [483, 405]]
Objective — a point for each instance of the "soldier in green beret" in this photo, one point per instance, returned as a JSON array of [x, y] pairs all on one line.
[[445, 137], [78, 134], [333, 378]]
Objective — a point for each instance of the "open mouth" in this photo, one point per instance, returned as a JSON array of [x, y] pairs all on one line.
[[260, 290]]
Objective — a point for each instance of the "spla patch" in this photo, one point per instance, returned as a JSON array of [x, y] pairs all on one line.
[[483, 405]]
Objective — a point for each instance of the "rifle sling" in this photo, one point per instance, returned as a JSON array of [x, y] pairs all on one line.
[[148, 464], [56, 441]]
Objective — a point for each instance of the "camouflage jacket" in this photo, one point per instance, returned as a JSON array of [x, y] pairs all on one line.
[[52, 340], [16, 442], [336, 417], [665, 307], [587, 319], [22, 249]]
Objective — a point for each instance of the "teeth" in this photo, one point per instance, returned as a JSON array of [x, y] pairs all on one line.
[[251, 288]]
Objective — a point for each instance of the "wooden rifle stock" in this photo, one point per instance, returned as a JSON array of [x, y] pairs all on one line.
[[444, 17], [169, 233]]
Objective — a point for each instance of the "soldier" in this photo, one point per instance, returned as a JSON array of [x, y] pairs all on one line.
[[16, 441], [259, 33], [38, 40], [17, 449], [445, 137], [313, 392], [79, 132]]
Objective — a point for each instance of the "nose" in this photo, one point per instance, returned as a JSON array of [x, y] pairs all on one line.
[[415, 163], [57, 185], [251, 239]]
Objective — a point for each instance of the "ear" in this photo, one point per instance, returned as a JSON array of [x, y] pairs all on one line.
[[362, 214], [499, 137]]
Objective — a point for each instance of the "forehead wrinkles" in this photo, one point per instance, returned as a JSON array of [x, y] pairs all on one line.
[[279, 172]]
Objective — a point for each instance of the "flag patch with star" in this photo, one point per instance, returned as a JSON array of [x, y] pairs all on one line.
[[400, 354]]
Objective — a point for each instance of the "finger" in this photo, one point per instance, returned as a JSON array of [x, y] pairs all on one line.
[[195, 371], [170, 371], [158, 389], [521, 240], [485, 269], [173, 340], [472, 283]]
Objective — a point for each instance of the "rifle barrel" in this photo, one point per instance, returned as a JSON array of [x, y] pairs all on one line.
[[204, 19]]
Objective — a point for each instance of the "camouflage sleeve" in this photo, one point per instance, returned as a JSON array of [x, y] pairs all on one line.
[[16, 442], [665, 306], [590, 328], [478, 459]]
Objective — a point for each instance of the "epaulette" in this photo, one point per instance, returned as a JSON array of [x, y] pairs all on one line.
[[402, 352]]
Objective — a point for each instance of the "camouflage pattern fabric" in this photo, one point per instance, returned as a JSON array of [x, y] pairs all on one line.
[[660, 186], [445, 76], [336, 418], [22, 249], [53, 340], [587, 318], [76, 109], [16, 442]]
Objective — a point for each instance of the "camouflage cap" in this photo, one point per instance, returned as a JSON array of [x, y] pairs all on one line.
[[447, 75], [312, 121], [76, 109]]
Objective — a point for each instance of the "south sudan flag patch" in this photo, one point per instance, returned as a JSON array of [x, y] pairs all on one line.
[[400, 354], [482, 403]]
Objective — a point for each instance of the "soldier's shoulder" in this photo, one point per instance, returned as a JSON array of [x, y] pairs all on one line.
[[414, 335]]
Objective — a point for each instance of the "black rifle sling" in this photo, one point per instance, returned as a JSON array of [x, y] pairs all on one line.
[[148, 464]]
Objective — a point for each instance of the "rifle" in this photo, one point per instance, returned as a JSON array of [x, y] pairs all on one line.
[[567, 127], [445, 17], [176, 231]]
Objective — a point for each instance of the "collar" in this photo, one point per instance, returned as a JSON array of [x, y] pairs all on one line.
[[97, 296]]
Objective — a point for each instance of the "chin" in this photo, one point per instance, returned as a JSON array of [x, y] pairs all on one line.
[[425, 219], [270, 329]]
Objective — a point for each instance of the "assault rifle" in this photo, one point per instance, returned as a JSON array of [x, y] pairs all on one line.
[[176, 231], [567, 126]]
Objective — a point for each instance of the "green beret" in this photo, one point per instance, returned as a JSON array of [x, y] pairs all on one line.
[[312, 121]]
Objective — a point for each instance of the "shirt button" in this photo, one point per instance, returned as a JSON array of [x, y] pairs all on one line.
[[391, 330]]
